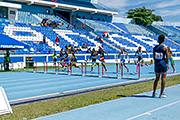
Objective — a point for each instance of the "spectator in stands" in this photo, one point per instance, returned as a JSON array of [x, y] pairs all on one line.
[[91, 18], [47, 11], [83, 46], [89, 50], [50, 50], [77, 15], [83, 26], [57, 40], [44, 39], [98, 19], [69, 26], [86, 46], [62, 24], [83, 17], [75, 26]]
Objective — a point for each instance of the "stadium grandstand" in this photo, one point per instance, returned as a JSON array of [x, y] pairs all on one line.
[[77, 22]]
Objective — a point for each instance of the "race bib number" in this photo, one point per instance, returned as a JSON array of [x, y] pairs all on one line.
[[159, 56]]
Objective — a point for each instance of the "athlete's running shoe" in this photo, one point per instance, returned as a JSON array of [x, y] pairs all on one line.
[[174, 71], [162, 96], [154, 95], [168, 69]]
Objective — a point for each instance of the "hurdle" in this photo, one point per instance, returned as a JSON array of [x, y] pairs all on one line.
[[93, 73], [114, 75], [99, 71], [138, 74]]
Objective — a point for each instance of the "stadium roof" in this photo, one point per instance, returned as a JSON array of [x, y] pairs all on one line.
[[66, 6], [10, 5]]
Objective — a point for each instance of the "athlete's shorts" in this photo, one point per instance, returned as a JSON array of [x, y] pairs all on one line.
[[171, 60], [102, 58], [160, 66], [122, 60], [67, 60], [55, 60], [73, 59], [61, 59], [93, 61], [139, 59]]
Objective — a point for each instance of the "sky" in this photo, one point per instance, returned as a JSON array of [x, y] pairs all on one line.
[[168, 9]]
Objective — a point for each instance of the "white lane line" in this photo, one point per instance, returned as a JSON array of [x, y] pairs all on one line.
[[149, 112]]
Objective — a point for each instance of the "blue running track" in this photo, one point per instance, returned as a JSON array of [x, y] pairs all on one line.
[[23, 85], [137, 107]]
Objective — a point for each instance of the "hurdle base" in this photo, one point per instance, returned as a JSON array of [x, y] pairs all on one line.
[[108, 76], [90, 75], [130, 78]]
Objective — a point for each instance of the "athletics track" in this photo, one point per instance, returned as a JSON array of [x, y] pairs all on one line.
[[24, 86], [137, 107]]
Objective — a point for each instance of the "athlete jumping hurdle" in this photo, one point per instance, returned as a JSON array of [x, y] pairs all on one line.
[[102, 57], [93, 56], [122, 59], [138, 55]]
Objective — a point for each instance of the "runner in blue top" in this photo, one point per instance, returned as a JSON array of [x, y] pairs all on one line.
[[122, 58], [66, 59], [61, 56], [160, 56]]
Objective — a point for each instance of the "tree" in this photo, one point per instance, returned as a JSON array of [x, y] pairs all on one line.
[[143, 16]]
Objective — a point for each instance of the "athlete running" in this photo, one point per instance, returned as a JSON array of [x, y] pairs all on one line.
[[74, 59], [138, 55], [102, 57], [61, 56], [66, 60], [93, 56], [122, 58]]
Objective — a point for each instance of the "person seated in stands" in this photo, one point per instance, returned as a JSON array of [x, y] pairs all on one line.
[[89, 50], [91, 18], [83, 45], [83, 17], [69, 26], [57, 40], [62, 24], [58, 25], [86, 46], [77, 15], [98, 19], [98, 38], [75, 26], [44, 39], [50, 50], [47, 11], [83, 26]]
